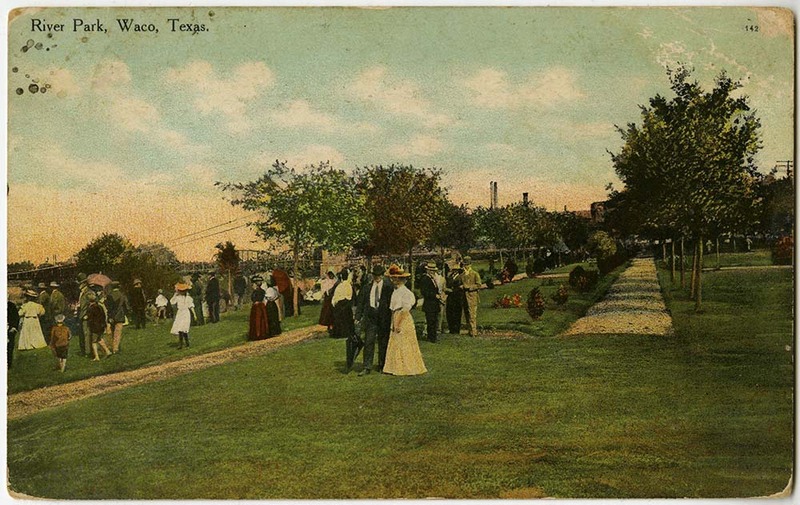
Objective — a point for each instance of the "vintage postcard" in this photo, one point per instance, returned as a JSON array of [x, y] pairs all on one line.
[[409, 252]]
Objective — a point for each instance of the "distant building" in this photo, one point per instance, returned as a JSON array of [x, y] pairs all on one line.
[[585, 214]]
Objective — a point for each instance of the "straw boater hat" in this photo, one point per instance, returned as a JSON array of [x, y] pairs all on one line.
[[31, 294], [395, 272], [60, 318], [54, 284], [137, 281], [431, 266], [41, 285], [182, 286]]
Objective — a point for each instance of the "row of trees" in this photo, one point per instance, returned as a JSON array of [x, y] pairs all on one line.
[[388, 210], [688, 169]]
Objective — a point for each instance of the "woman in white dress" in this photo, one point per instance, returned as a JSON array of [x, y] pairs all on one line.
[[402, 356], [184, 313], [30, 336]]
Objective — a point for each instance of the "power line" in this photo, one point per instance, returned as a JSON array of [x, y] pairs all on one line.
[[173, 241], [210, 235]]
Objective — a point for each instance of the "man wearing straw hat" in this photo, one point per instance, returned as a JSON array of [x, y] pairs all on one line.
[[470, 284], [432, 294], [58, 304]]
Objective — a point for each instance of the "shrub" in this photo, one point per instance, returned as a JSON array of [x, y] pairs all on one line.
[[575, 275], [511, 267], [529, 268], [783, 251], [507, 301], [535, 304], [561, 295]]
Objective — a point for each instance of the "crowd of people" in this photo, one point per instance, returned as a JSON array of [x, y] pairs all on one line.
[[372, 310]]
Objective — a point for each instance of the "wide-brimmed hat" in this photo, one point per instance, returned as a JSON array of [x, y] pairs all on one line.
[[378, 270], [431, 265], [54, 284], [395, 272], [137, 281], [31, 294], [182, 286], [60, 318], [467, 260], [272, 294], [256, 279], [41, 285]]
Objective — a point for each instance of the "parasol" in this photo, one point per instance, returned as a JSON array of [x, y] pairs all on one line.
[[99, 280]]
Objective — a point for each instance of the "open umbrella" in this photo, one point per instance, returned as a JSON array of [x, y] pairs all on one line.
[[98, 280]]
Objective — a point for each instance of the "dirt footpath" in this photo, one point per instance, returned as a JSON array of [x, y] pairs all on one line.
[[30, 402], [633, 305]]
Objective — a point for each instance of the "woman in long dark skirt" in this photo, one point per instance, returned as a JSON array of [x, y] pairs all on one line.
[[259, 320], [272, 312]]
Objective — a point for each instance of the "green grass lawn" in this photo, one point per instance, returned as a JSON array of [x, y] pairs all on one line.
[[34, 368], [755, 258], [706, 413]]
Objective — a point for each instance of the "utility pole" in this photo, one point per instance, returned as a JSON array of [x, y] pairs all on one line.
[[789, 164]]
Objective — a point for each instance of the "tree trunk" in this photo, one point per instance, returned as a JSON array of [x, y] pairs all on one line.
[[718, 265], [230, 284], [295, 286], [699, 295], [683, 267], [663, 251], [411, 266], [672, 261], [694, 268]]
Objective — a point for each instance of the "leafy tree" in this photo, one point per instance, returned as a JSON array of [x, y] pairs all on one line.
[[455, 229], [103, 254], [403, 206], [154, 264], [573, 229], [491, 227], [317, 207], [689, 166], [20, 266], [228, 261]]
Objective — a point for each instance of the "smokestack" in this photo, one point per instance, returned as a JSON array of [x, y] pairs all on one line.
[[494, 194], [491, 194], [525, 199]]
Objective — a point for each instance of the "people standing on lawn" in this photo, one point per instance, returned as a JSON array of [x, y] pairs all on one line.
[[184, 312], [58, 303], [327, 286], [455, 298], [138, 302], [46, 320], [273, 315], [59, 342], [283, 283], [430, 289], [95, 325], [374, 314], [213, 297], [196, 293], [30, 334], [343, 323], [12, 329], [239, 288], [403, 356], [118, 309], [470, 284], [161, 306], [83, 305], [259, 319]]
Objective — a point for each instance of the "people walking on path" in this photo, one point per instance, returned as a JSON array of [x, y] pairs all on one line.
[[212, 298], [470, 284], [403, 356], [95, 325], [185, 311], [118, 309], [432, 295], [59, 342], [259, 319], [375, 316], [30, 335], [138, 302]]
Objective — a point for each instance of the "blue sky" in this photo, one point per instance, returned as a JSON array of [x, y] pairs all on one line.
[[135, 128]]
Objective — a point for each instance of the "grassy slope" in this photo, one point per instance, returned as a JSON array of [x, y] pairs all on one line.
[[34, 369], [706, 413]]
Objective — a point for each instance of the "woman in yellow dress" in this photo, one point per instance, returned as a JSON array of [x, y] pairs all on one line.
[[402, 356]]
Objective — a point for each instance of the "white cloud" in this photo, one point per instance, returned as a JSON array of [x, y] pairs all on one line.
[[420, 145], [492, 89], [228, 97], [109, 75], [300, 114], [133, 114], [399, 97], [671, 54]]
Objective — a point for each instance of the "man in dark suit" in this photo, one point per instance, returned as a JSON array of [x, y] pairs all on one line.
[[212, 298], [12, 328], [431, 291], [373, 311]]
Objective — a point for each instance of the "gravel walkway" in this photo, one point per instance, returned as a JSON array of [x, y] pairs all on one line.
[[633, 305], [29, 402]]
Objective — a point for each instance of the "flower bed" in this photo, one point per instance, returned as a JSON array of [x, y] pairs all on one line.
[[508, 301]]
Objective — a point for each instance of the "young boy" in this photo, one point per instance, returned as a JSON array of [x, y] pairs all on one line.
[[59, 342]]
